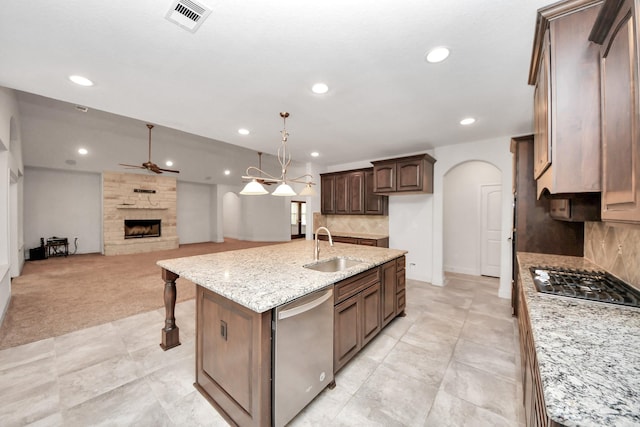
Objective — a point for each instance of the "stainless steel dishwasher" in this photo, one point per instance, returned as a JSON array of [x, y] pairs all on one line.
[[302, 353]]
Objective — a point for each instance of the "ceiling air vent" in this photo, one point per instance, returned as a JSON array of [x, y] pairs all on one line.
[[188, 14]]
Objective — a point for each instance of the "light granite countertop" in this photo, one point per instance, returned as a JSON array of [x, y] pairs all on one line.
[[267, 277], [588, 352]]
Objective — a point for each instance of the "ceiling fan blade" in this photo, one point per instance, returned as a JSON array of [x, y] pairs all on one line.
[[265, 181], [132, 166], [168, 170]]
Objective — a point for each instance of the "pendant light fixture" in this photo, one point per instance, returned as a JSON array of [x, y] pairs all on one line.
[[254, 187]]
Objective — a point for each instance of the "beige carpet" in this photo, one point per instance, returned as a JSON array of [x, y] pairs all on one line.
[[58, 295]]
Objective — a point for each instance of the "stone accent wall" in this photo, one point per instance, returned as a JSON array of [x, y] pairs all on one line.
[[616, 248], [368, 224], [121, 202]]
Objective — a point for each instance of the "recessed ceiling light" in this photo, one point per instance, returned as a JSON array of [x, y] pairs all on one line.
[[243, 131], [82, 151], [467, 121], [320, 88], [227, 172], [169, 163], [315, 154], [437, 54], [79, 80]]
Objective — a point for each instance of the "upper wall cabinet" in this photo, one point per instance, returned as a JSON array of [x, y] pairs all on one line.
[[351, 193], [565, 71], [616, 30], [404, 175]]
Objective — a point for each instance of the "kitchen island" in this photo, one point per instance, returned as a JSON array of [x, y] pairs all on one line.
[[237, 294], [580, 359]]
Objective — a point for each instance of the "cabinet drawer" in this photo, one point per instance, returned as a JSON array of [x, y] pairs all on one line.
[[355, 284], [401, 300], [401, 282], [369, 242], [400, 263]]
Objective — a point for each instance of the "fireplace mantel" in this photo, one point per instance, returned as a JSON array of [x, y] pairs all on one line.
[[141, 207]]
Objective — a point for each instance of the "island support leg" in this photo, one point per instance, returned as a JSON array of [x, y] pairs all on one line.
[[170, 332]]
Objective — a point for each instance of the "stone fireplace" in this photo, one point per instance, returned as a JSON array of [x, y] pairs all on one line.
[[139, 213]]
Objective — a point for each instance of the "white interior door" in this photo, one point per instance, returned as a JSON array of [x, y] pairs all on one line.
[[490, 230]]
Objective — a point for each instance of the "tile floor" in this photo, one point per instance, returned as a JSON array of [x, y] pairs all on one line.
[[452, 361]]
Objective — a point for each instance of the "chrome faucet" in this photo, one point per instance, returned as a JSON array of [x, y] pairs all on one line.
[[316, 253]]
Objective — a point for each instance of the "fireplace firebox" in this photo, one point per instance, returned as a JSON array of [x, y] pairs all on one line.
[[141, 228]]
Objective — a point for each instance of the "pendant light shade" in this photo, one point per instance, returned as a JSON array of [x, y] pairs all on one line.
[[284, 189], [308, 190], [253, 188]]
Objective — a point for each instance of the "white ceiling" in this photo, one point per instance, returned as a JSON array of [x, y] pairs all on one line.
[[252, 59]]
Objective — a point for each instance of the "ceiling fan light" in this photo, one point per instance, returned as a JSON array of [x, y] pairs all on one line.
[[284, 189], [308, 190], [253, 188]]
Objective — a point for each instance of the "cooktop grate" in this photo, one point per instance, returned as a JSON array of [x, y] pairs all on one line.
[[584, 284]]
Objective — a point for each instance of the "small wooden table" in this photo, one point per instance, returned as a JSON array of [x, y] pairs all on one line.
[[57, 247]]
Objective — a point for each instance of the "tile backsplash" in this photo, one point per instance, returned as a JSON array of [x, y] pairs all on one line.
[[368, 224], [616, 248]]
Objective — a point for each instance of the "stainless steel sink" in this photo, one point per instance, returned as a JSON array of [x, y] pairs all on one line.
[[332, 265]]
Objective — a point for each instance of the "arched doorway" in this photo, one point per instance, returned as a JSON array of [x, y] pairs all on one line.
[[472, 206]]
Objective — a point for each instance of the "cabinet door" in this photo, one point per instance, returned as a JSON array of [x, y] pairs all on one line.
[[371, 321], [384, 177], [374, 204], [342, 194], [347, 337], [327, 194], [356, 192], [409, 175], [542, 142], [620, 139], [389, 290]]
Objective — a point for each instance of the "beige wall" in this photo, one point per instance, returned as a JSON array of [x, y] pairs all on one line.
[[614, 247]]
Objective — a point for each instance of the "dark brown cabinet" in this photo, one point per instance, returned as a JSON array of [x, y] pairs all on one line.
[[374, 204], [361, 302], [356, 315], [565, 72], [342, 194], [389, 285], [233, 358], [405, 175], [616, 31], [347, 193], [328, 194]]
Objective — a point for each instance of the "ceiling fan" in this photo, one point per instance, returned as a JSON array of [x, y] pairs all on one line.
[[149, 165]]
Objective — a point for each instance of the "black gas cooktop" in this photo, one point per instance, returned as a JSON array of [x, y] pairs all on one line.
[[590, 285]]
